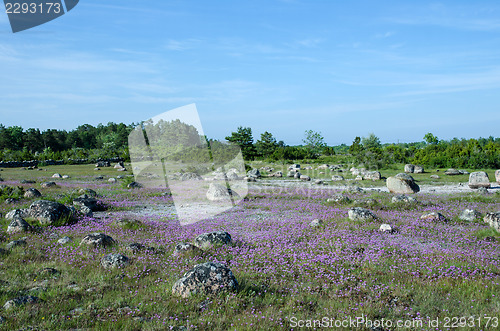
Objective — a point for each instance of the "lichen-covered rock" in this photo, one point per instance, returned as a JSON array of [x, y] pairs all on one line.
[[18, 225], [89, 202], [186, 249], [434, 217], [32, 193], [97, 239], [452, 172], [20, 301], [339, 198], [315, 223], [218, 192], [493, 219], [17, 213], [206, 278], [114, 260], [403, 199], [469, 215], [418, 169], [479, 179], [402, 184], [207, 240], [48, 185], [89, 192], [361, 214], [372, 175], [409, 168], [305, 178], [49, 212]]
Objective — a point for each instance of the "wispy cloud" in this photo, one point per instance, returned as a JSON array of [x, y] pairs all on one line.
[[182, 45]]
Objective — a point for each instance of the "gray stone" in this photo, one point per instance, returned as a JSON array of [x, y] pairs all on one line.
[[91, 193], [254, 173], [409, 168], [56, 176], [403, 199], [297, 175], [17, 213], [20, 301], [339, 198], [134, 185], [435, 177], [469, 215], [190, 176], [18, 225], [32, 193], [183, 248], [385, 228], [497, 176], [482, 190], [206, 278], [479, 179], [452, 172], [49, 212], [372, 175], [305, 178], [92, 203], [418, 169], [294, 167], [315, 223], [97, 239], [493, 220], [207, 240], [64, 240], [337, 178], [402, 184], [219, 192], [112, 180], [48, 185], [361, 214], [278, 174], [65, 177], [290, 174], [114, 260], [434, 217]]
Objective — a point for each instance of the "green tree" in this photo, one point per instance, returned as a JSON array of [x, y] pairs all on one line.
[[266, 145], [314, 142], [431, 139], [243, 138]]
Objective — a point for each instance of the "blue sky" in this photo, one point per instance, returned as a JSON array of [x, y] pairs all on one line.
[[346, 69]]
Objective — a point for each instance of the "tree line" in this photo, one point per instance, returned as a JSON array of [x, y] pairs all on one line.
[[111, 140]]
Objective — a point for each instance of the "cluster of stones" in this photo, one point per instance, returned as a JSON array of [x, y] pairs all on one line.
[[413, 169], [209, 277], [363, 174]]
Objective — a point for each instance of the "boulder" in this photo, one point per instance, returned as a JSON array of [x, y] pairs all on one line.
[[361, 214], [323, 167], [463, 172], [254, 173], [372, 175], [315, 223], [21, 301], [18, 225], [482, 190], [452, 172], [190, 176], [469, 215], [409, 168], [493, 220], [56, 176], [207, 240], [112, 180], [418, 169], [337, 178], [49, 212], [294, 167], [435, 177], [497, 176], [219, 192], [134, 185], [91, 203], [278, 174], [206, 278], [339, 198], [103, 164], [318, 182], [64, 240], [17, 213], [305, 178], [358, 177], [32, 193], [433, 216], [97, 239], [119, 165], [385, 228], [403, 199], [182, 249], [114, 260], [479, 179], [297, 175], [47, 185], [87, 191], [402, 184]]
